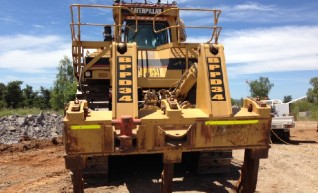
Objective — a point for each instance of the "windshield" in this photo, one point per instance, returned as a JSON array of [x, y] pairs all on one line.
[[145, 37]]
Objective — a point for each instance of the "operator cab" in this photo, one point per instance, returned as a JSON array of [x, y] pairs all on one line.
[[146, 37]]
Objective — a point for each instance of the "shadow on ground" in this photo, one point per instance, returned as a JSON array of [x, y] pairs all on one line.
[[141, 173], [284, 140]]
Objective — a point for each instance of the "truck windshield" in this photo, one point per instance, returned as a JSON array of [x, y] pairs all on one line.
[[145, 37]]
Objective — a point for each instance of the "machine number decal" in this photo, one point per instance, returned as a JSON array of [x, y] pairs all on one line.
[[216, 79], [124, 79]]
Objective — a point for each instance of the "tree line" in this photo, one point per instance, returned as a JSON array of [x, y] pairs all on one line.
[[13, 96], [64, 90], [262, 86]]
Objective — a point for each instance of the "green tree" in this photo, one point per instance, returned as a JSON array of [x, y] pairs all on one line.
[[3, 89], [43, 99], [236, 102], [261, 87], [14, 94], [287, 99], [312, 93], [301, 106], [64, 88], [30, 96]]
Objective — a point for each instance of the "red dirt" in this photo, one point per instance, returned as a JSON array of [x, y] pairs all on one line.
[[38, 166]]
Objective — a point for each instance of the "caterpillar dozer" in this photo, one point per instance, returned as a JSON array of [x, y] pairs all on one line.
[[142, 89]]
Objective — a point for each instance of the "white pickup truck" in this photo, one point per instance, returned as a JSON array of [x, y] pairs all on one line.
[[282, 122]]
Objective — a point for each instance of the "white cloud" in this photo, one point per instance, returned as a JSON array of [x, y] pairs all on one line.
[[253, 6], [198, 39], [28, 53], [7, 19], [252, 12], [38, 26], [17, 42], [44, 80], [278, 49], [247, 12], [289, 48], [182, 1]]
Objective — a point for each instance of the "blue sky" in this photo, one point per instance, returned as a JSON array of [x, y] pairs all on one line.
[[274, 39]]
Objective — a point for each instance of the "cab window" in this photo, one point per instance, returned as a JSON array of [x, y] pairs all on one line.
[[145, 37]]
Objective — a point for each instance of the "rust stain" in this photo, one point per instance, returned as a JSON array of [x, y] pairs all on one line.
[[259, 153], [235, 135], [108, 139], [73, 162], [71, 141], [159, 137], [206, 133], [265, 129], [191, 135], [141, 139]]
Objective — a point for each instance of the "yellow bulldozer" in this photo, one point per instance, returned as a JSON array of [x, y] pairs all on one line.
[[142, 89]]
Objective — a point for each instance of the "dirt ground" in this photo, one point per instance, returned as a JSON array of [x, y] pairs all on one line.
[[38, 166]]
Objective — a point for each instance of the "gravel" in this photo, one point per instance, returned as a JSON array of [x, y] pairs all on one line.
[[15, 128]]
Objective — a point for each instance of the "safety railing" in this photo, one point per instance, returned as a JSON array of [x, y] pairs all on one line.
[[77, 23], [215, 29]]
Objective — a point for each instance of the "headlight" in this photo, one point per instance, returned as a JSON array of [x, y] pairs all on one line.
[[88, 74]]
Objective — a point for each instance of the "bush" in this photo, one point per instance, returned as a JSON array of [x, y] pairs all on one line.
[[25, 111], [305, 106], [3, 104]]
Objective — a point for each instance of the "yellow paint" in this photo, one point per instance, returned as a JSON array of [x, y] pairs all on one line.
[[124, 59], [78, 127], [213, 60], [235, 122]]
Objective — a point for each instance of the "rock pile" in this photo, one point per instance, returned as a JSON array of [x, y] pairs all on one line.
[[15, 128]]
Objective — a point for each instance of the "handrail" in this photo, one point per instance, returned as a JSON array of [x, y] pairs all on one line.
[[216, 29], [169, 27], [79, 23], [215, 34], [216, 12], [76, 33]]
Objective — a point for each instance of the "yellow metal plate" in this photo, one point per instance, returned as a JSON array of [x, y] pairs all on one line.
[[78, 127], [234, 122]]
